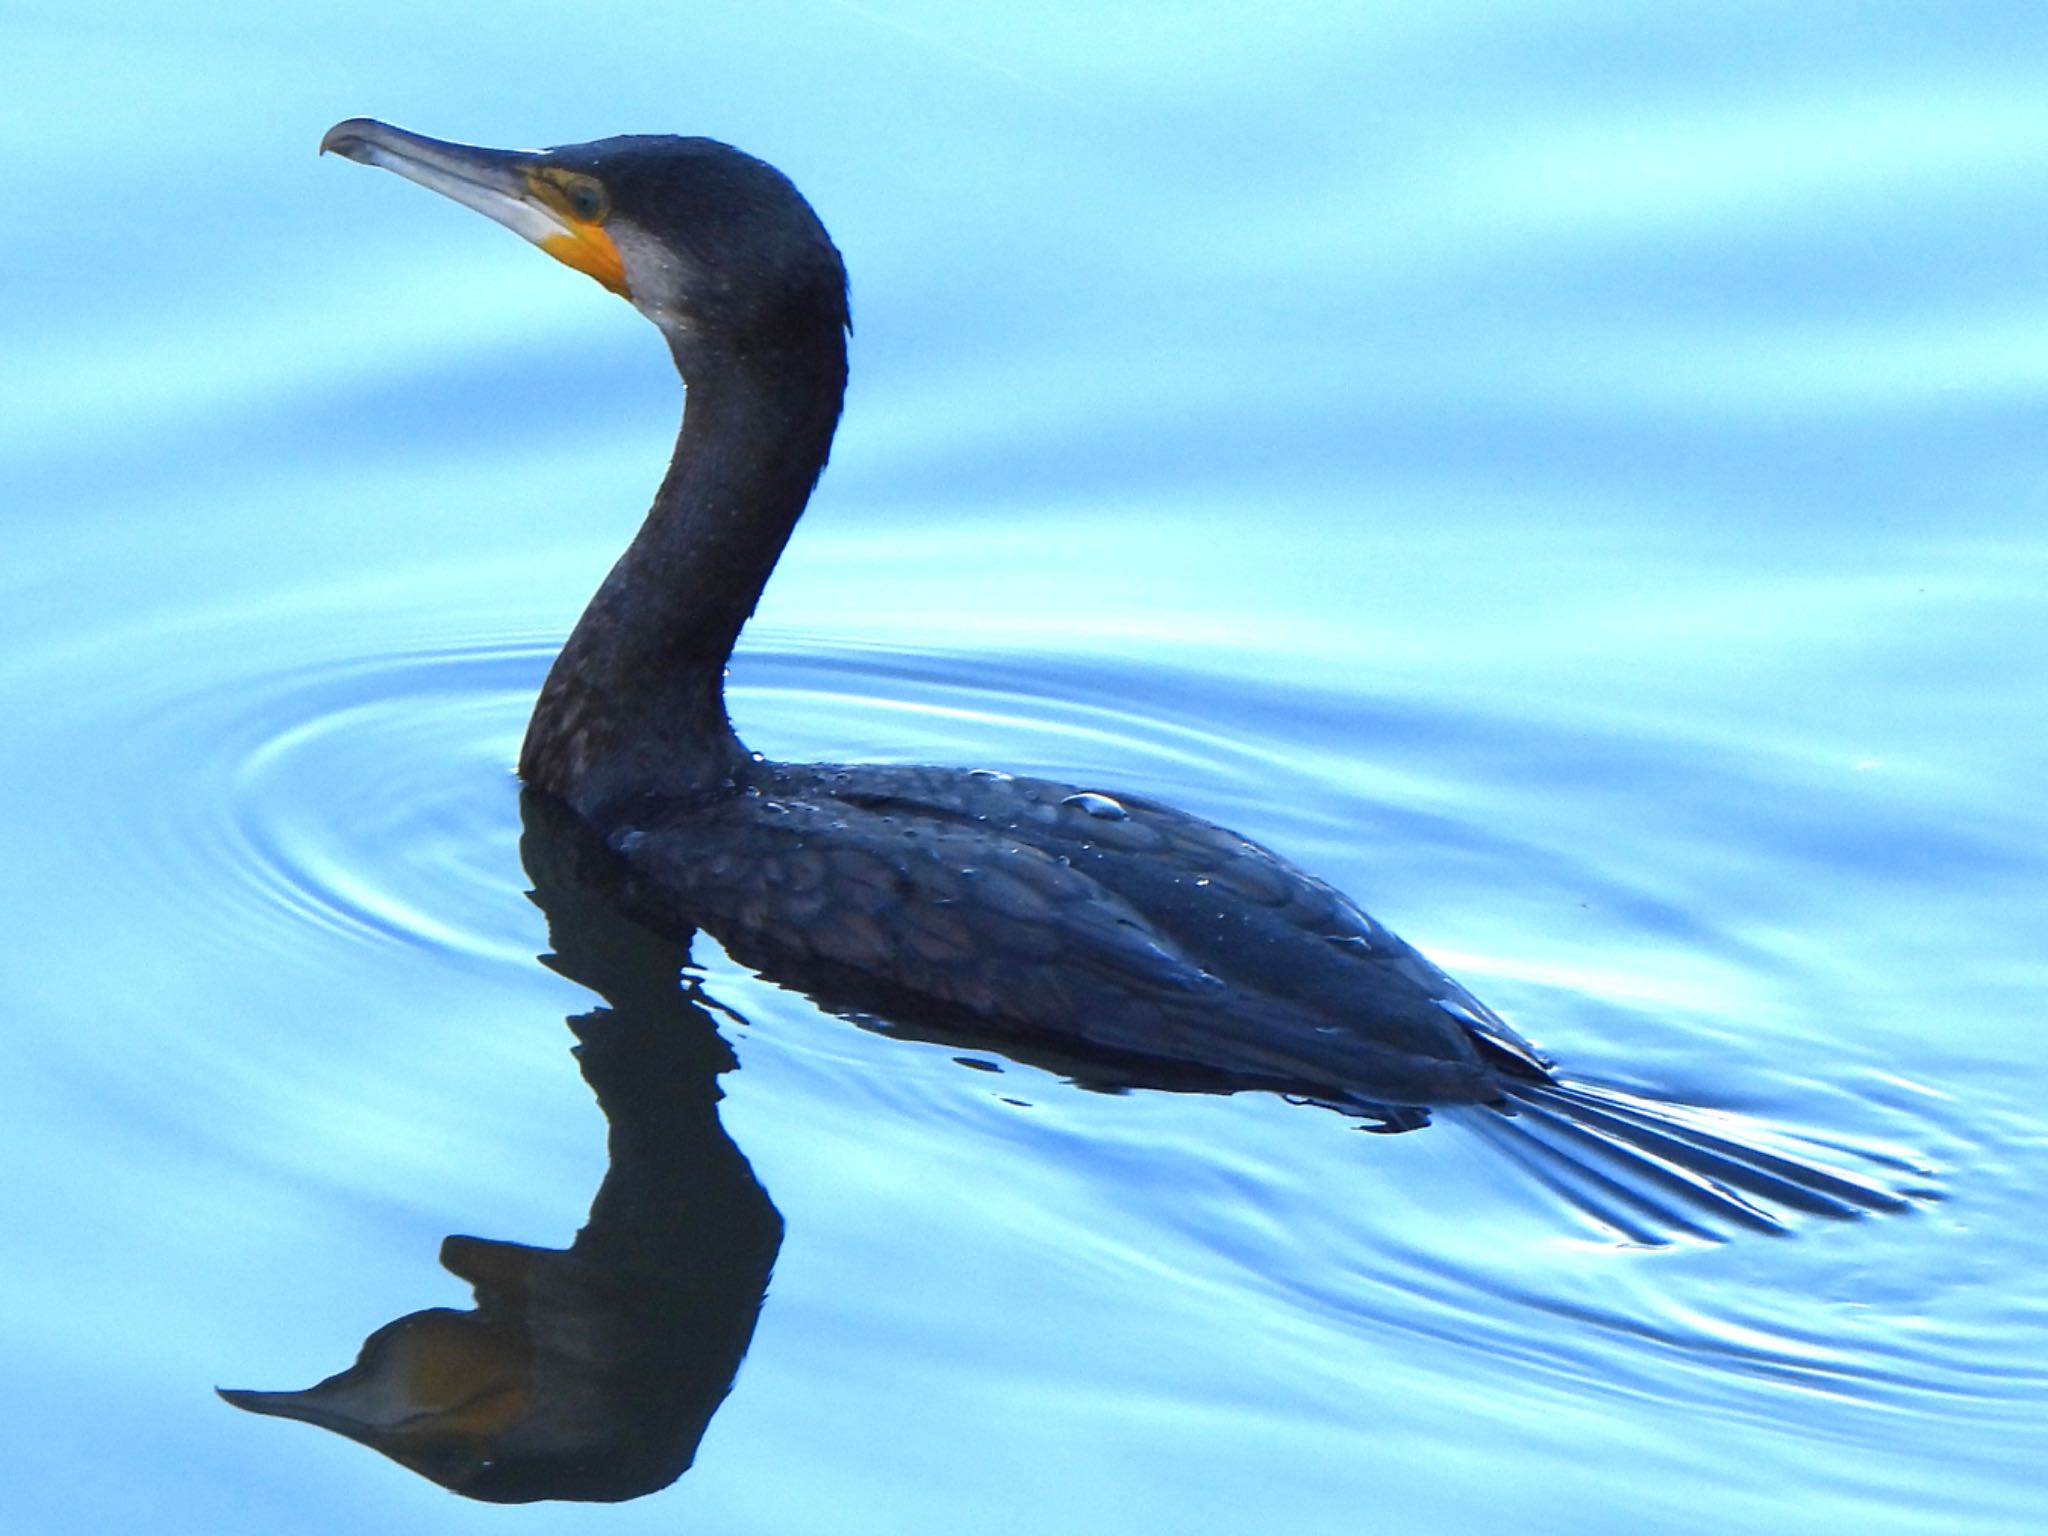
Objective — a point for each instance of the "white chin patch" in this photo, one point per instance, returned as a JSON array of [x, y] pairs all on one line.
[[654, 274]]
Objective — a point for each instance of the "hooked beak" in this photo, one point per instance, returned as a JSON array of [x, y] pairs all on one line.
[[509, 185]]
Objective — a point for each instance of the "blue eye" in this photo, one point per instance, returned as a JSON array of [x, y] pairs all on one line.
[[586, 199]]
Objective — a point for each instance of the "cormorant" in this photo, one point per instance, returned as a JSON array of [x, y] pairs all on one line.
[[1086, 920]]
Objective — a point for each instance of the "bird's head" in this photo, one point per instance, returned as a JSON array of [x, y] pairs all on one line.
[[715, 247]]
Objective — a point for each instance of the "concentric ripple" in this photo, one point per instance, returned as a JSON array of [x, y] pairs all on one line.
[[376, 798], [363, 799]]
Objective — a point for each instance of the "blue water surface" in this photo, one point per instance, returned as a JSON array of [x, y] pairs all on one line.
[[1573, 476]]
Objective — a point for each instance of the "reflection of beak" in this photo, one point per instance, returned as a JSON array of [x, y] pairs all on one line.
[[502, 184], [433, 1376]]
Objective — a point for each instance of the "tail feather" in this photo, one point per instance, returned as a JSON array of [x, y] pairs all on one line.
[[1636, 1214], [1652, 1170]]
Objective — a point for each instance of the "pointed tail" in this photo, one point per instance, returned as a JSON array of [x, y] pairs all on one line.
[[1654, 1171]]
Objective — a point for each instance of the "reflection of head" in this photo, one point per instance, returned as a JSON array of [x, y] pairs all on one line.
[[566, 1382], [589, 1373]]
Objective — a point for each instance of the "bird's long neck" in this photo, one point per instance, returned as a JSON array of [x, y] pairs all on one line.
[[635, 705]]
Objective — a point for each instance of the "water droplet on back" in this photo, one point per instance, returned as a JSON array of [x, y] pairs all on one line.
[[1102, 806]]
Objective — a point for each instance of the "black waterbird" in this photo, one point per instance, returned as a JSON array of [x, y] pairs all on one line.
[[1067, 919]]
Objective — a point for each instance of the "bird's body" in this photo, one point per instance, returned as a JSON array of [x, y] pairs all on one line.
[[1122, 926], [1118, 928]]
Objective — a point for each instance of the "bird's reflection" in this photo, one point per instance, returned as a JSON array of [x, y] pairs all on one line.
[[591, 1372]]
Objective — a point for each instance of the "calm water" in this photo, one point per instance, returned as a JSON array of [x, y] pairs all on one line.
[[1575, 482]]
